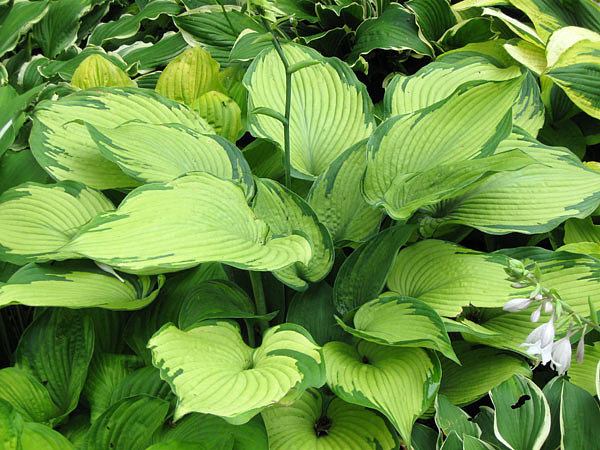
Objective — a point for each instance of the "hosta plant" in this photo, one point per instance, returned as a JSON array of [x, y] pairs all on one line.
[[311, 225]]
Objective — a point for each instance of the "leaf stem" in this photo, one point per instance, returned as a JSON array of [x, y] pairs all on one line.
[[259, 298]]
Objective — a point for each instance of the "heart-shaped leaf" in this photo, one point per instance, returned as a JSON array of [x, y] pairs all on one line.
[[96, 71]]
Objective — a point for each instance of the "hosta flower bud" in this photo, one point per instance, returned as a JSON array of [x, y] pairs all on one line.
[[561, 355], [517, 304], [535, 316], [581, 350]]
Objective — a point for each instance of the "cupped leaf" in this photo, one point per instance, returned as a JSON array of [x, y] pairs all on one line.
[[362, 275], [61, 143], [202, 218], [221, 112], [128, 424], [96, 71], [19, 19], [337, 199], [468, 124], [330, 108], [212, 370], [585, 374], [312, 422], [152, 153], [27, 395], [56, 349], [74, 284], [39, 219], [401, 321], [522, 418], [401, 383], [286, 214], [188, 76]]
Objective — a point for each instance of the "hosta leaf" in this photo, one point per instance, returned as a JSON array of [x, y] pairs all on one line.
[[564, 38], [27, 395], [401, 383], [394, 29], [450, 418], [434, 17], [19, 167], [583, 230], [330, 108], [127, 25], [21, 16], [400, 322], [128, 424], [528, 112], [311, 423], [188, 76], [448, 277], [585, 374], [75, 284], [147, 56], [65, 69], [481, 369], [553, 391], [287, 213], [12, 116], [521, 29], [576, 72], [221, 112], [39, 219], [145, 380], [57, 348], [153, 153], [473, 443], [212, 370], [202, 219], [61, 142], [363, 274], [11, 427], [96, 71], [38, 436], [579, 418], [423, 437], [522, 418], [468, 124], [532, 200], [528, 54], [337, 199]]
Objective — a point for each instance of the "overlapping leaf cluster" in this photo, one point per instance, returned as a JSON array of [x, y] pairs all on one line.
[[217, 231]]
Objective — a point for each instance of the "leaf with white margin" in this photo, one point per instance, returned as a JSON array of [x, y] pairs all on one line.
[[519, 28], [339, 425], [97, 71], [449, 417], [584, 374], [532, 200], [77, 284], [152, 153], [61, 142], [330, 108], [212, 370], [286, 213], [401, 383], [520, 423], [400, 321], [202, 219], [467, 124], [37, 220], [146, 56], [336, 198], [564, 38], [449, 277], [19, 18], [579, 418]]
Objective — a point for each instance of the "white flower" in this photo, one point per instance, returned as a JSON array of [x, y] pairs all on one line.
[[580, 350], [535, 316], [548, 307], [561, 355], [539, 342], [517, 304]]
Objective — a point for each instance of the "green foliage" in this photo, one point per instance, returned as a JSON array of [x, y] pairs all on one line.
[[312, 225]]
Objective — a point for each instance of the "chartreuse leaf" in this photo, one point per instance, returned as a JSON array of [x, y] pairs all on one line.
[[522, 418], [585, 374], [20, 17], [482, 368], [193, 226], [11, 427], [75, 284], [38, 436], [576, 72], [528, 54], [400, 321], [221, 112], [128, 424], [188, 76], [62, 145], [337, 199], [581, 230], [37, 220], [212, 370], [152, 153], [564, 38], [312, 422], [536, 196], [401, 383], [468, 124], [394, 29], [450, 418], [448, 277], [287, 213], [96, 71], [65, 69], [330, 109], [363, 274], [57, 348], [579, 418], [27, 395]]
